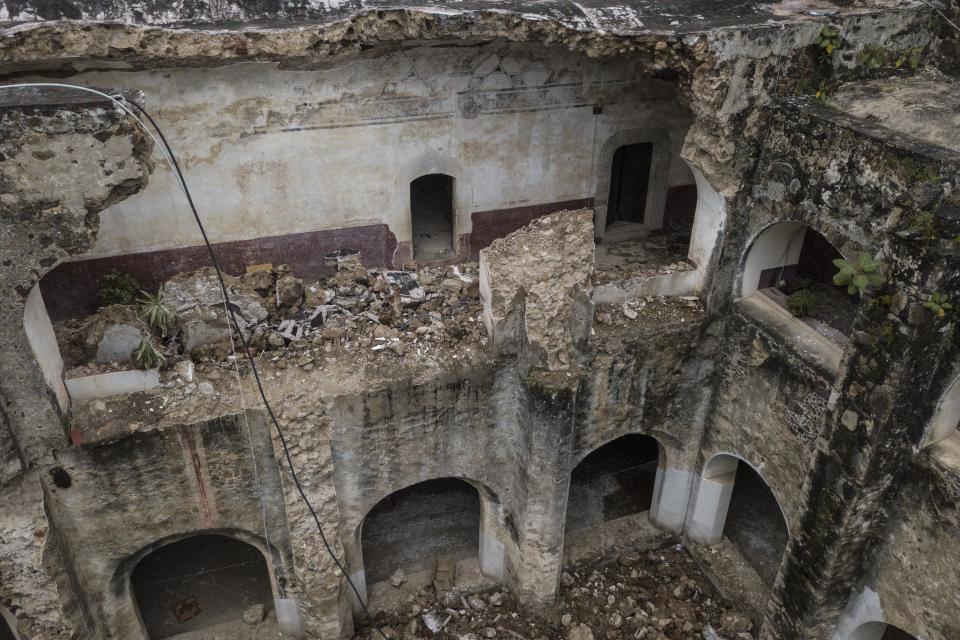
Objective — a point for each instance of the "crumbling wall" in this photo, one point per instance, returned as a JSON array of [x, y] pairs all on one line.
[[185, 479], [494, 117], [535, 287], [65, 157], [915, 564]]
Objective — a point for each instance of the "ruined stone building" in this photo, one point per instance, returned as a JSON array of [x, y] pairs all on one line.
[[637, 320]]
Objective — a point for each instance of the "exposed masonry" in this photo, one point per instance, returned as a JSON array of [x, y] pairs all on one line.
[[500, 377]]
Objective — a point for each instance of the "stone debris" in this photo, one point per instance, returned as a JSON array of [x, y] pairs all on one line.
[[435, 621], [360, 313], [535, 285], [254, 614], [648, 595], [398, 578], [118, 343]]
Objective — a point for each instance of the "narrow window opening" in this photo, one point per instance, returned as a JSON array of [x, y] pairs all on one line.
[[431, 210], [200, 582], [629, 182]]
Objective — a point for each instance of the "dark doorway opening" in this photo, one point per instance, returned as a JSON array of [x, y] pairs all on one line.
[[431, 210], [893, 633], [614, 481], [199, 582], [629, 181], [6, 632], [409, 528], [755, 523]]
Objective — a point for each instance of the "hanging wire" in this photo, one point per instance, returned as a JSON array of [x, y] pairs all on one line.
[[171, 160]]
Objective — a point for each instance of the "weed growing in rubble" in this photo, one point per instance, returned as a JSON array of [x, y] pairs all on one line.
[[117, 287], [859, 275], [802, 303], [939, 303], [924, 223], [155, 311], [148, 356], [829, 40]]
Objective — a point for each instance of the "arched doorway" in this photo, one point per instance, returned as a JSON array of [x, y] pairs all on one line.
[[8, 625], [431, 217], [880, 631], [792, 265], [735, 502], [629, 184], [199, 582], [411, 528], [611, 491]]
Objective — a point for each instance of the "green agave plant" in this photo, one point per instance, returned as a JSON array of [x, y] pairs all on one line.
[[155, 311], [148, 356], [859, 275]]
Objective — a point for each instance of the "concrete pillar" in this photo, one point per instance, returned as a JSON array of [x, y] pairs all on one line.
[[493, 558], [671, 495], [713, 500], [545, 429]]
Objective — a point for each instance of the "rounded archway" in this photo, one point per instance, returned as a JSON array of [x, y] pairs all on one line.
[[411, 528], [613, 481], [792, 265], [8, 625], [735, 502], [880, 631], [199, 582], [612, 491]]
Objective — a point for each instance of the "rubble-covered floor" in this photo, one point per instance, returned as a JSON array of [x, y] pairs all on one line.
[[654, 255], [653, 595]]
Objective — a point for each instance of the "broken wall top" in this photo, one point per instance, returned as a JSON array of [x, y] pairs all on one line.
[[535, 285], [666, 15]]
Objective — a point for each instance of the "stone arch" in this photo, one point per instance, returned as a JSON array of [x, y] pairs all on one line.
[[777, 246], [621, 484], [946, 417], [880, 631], [734, 500], [128, 584], [468, 509], [790, 257], [8, 625], [661, 154]]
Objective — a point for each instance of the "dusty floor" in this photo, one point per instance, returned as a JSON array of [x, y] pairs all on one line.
[[654, 255], [657, 595]]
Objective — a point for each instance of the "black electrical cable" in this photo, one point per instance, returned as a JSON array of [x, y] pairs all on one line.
[[253, 363]]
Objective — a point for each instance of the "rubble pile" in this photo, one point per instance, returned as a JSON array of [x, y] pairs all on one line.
[[656, 595], [420, 313]]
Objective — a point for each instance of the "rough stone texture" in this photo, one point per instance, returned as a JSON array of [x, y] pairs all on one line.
[[710, 379], [64, 159], [535, 287]]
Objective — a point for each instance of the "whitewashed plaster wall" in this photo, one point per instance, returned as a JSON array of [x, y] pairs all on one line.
[[269, 151]]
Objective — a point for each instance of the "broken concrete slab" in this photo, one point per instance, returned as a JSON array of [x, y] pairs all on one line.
[[118, 343]]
